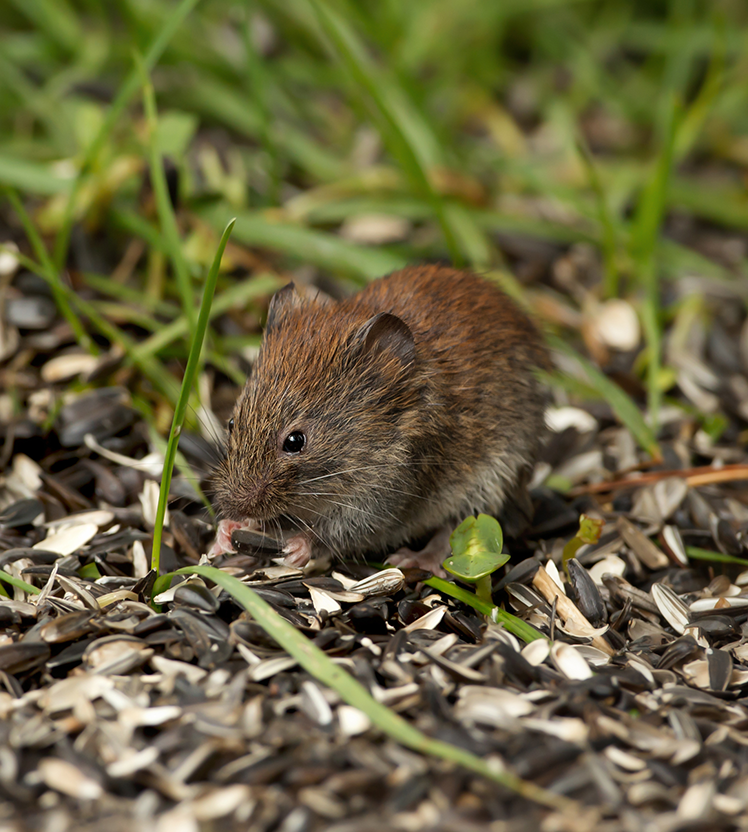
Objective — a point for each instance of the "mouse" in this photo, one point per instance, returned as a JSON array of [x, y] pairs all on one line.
[[386, 418]]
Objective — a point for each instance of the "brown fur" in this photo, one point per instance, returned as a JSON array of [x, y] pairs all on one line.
[[409, 428]]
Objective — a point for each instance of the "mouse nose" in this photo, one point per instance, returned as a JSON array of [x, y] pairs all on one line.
[[249, 498]]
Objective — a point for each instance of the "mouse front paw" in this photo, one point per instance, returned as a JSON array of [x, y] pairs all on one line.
[[224, 530], [223, 543], [297, 551]]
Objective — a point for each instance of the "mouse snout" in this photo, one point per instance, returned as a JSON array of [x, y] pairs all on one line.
[[247, 498]]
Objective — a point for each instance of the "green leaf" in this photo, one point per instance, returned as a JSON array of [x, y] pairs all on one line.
[[32, 177], [174, 132], [714, 425], [89, 572], [161, 584], [476, 548], [644, 237], [350, 690], [590, 529]]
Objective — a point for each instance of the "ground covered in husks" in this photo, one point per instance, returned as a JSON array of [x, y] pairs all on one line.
[[186, 715], [589, 158]]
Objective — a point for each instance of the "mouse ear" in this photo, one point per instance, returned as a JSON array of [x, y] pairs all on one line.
[[386, 333], [283, 300]]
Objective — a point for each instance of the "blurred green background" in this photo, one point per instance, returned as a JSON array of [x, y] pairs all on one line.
[[572, 151]]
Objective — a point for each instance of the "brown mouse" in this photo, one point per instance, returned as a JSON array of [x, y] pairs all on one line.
[[381, 419]]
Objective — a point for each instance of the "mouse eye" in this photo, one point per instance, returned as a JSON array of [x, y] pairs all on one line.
[[294, 442], [231, 426]]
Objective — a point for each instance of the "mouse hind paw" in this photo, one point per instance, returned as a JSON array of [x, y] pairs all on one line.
[[430, 558]]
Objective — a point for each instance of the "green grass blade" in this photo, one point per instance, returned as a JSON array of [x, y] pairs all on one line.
[[620, 402], [31, 177], [257, 89], [37, 100], [180, 462], [608, 242], [190, 373], [511, 623], [723, 204], [324, 670], [162, 380], [18, 583], [136, 224], [221, 102], [325, 250], [696, 553], [235, 297], [55, 18], [164, 208], [51, 275], [126, 93], [714, 82], [218, 358], [650, 213], [407, 136], [130, 295]]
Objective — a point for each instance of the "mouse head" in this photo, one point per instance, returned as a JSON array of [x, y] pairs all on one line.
[[323, 419]]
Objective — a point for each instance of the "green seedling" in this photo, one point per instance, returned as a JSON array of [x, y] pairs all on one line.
[[590, 530], [476, 553], [511, 623]]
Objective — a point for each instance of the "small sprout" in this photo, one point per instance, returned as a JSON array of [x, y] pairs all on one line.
[[476, 552], [590, 530]]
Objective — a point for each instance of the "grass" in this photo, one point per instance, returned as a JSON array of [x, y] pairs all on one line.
[[167, 220], [559, 125]]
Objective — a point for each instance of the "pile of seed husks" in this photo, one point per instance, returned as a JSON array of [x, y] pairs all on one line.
[[117, 715]]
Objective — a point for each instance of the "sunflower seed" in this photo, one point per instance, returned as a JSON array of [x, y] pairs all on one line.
[[672, 609], [569, 661]]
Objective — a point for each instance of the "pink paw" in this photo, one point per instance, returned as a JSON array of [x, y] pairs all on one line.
[[223, 543], [430, 558], [407, 559], [297, 551]]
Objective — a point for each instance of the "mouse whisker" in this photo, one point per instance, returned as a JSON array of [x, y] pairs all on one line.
[[348, 506], [368, 467], [277, 524], [374, 514], [335, 474], [299, 523], [380, 486]]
